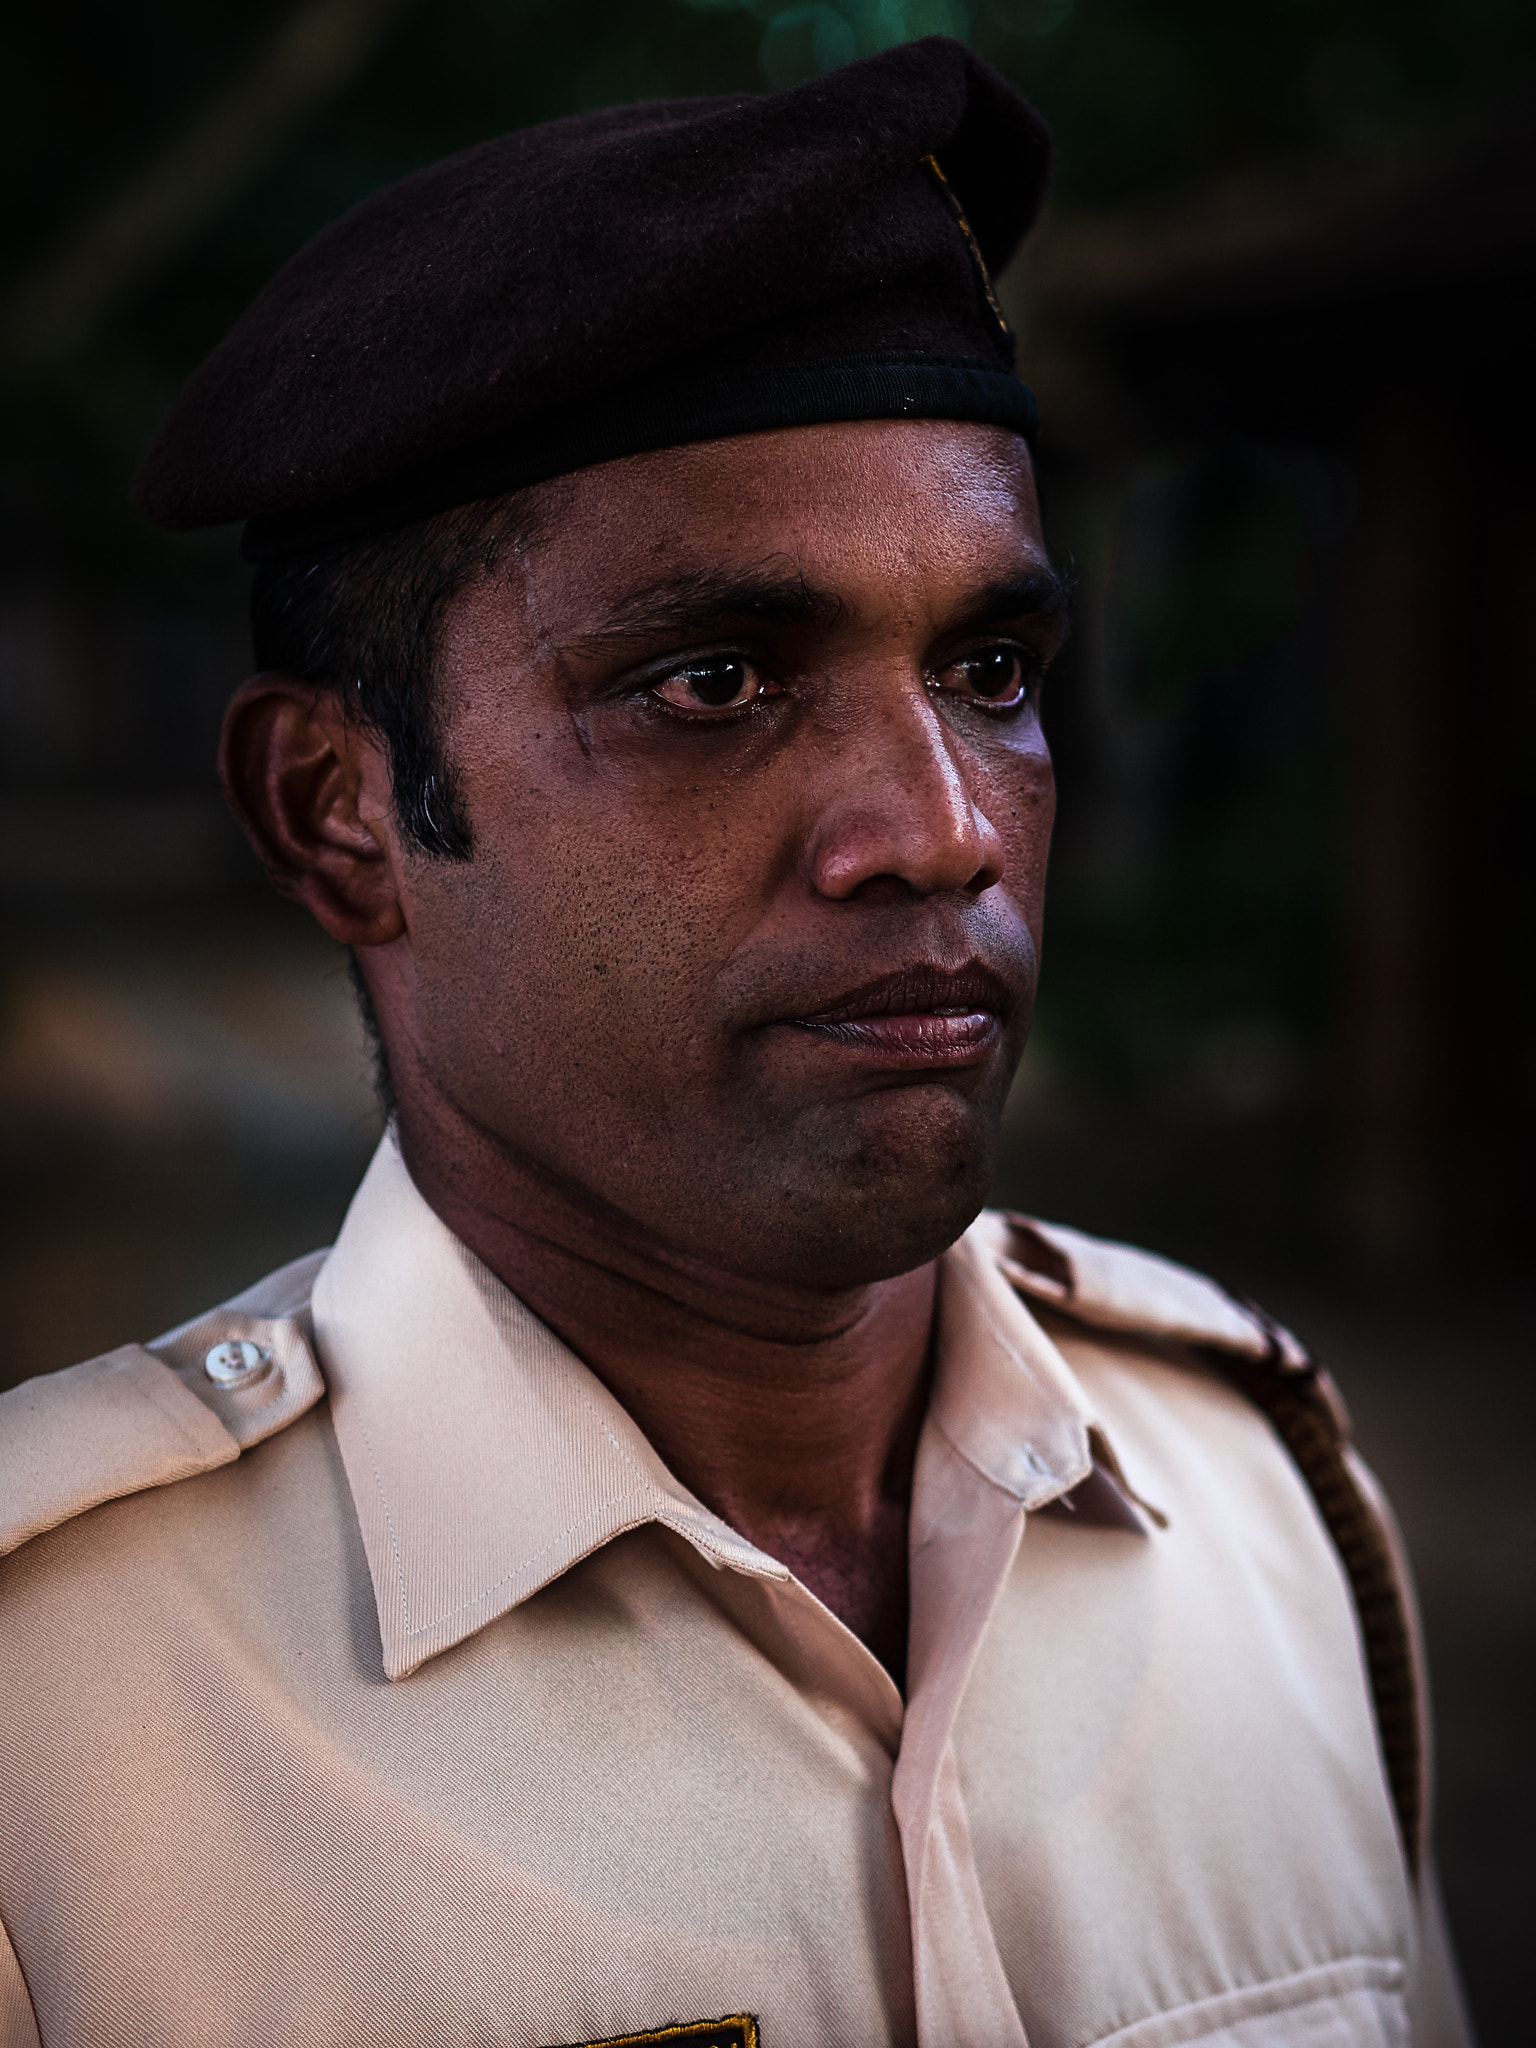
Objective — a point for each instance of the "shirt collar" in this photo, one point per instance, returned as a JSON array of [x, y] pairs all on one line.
[[1003, 1396], [485, 1459]]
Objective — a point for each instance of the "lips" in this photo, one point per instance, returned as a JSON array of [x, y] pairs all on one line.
[[922, 1016]]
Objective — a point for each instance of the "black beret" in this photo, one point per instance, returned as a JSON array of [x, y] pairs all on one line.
[[615, 282]]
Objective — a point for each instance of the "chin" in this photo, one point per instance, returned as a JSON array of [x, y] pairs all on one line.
[[884, 1190]]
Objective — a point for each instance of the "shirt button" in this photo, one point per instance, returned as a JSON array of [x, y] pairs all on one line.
[[236, 1362]]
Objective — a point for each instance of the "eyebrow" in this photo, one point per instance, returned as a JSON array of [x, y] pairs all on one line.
[[694, 603], [697, 602], [1041, 594]]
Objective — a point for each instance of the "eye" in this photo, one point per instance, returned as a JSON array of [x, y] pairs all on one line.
[[998, 677], [721, 682]]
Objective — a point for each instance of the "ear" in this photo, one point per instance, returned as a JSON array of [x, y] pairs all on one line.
[[311, 788]]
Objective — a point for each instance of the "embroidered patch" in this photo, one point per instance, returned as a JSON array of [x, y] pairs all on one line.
[[739, 2031]]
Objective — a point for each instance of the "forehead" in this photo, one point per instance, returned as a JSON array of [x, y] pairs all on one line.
[[854, 499]]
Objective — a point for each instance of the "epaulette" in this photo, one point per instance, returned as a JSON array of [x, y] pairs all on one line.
[[147, 1415], [1117, 1288]]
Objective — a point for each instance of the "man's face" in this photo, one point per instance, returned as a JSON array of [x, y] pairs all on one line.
[[749, 743]]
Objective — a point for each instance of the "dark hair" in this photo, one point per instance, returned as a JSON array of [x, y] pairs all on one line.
[[365, 620]]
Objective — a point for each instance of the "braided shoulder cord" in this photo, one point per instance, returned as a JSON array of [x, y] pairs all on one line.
[[1308, 1417]]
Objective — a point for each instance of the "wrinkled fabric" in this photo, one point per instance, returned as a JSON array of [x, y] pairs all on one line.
[[445, 1713]]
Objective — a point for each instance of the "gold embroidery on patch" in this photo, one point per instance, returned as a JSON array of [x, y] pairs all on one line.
[[983, 275], [739, 2031]]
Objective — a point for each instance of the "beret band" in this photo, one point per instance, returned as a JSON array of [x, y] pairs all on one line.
[[617, 282], [751, 399]]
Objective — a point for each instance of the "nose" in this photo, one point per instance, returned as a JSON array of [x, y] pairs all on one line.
[[898, 812]]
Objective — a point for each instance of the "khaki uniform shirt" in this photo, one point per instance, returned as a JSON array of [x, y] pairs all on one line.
[[393, 1691]]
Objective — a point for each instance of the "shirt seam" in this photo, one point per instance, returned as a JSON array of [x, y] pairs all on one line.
[[21, 1978], [998, 1486], [521, 1570], [1310, 1981], [413, 1633], [167, 1413], [981, 1472], [984, 1975], [389, 1523]]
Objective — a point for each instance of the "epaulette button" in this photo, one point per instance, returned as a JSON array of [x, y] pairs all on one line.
[[237, 1363]]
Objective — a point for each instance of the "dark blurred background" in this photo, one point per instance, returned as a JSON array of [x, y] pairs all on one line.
[[1279, 315]]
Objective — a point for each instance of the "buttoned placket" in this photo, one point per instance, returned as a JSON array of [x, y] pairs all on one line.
[[1006, 1432]]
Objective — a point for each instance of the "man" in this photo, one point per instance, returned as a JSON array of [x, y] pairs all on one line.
[[671, 1572]]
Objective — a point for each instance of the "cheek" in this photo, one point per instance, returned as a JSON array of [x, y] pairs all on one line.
[[1023, 809], [585, 932]]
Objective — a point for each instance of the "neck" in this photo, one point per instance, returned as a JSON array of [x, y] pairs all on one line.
[[792, 1414]]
